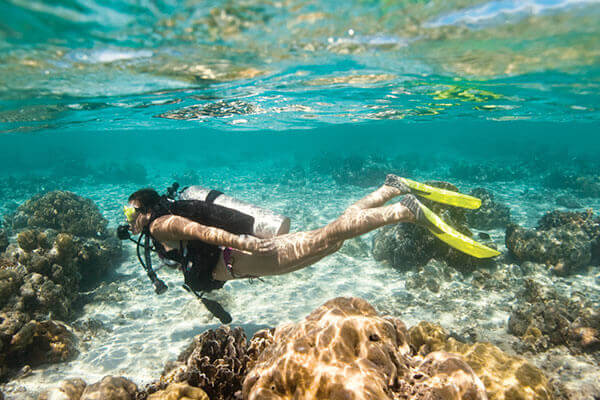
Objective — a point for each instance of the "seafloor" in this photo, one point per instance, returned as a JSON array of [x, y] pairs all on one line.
[[135, 332]]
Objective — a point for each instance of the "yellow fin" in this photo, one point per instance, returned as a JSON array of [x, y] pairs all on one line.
[[442, 195], [456, 239]]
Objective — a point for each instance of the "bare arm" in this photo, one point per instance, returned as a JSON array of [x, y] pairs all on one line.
[[173, 227]]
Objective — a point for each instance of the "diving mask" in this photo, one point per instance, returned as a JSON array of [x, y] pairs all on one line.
[[130, 213]]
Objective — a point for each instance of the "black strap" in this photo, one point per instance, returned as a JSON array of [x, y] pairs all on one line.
[[212, 196]]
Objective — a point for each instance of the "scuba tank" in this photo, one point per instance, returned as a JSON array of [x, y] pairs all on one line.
[[266, 223]]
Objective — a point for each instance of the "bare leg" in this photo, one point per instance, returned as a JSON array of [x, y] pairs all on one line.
[[300, 249]]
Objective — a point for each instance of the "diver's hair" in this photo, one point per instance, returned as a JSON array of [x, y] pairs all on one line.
[[147, 198]]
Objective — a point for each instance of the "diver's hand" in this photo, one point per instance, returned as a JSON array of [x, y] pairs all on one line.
[[258, 246]]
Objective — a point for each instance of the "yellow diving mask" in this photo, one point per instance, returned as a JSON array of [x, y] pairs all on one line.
[[130, 213]]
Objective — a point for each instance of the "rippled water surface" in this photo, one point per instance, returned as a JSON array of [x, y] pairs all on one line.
[[276, 65], [261, 100]]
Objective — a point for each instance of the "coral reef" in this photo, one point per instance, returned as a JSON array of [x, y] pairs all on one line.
[[3, 238], [71, 389], [405, 245], [505, 377], [179, 391], [63, 212], [109, 388], [544, 319], [41, 275], [485, 173], [490, 215], [215, 362], [580, 182], [568, 201], [344, 349], [563, 240]]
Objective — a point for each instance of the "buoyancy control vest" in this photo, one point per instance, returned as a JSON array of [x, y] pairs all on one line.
[[198, 259]]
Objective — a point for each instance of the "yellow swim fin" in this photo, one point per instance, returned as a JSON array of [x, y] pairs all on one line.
[[441, 195], [443, 231]]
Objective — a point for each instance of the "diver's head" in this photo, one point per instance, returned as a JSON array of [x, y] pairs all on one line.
[[138, 210]]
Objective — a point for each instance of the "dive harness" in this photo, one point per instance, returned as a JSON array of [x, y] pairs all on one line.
[[159, 285]]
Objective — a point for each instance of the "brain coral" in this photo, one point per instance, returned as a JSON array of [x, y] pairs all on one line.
[[344, 350]]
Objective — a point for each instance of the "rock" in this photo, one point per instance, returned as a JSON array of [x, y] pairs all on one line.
[[179, 391], [3, 239], [110, 388], [406, 245], [38, 343], [344, 349], [544, 319], [215, 362], [490, 214], [505, 377], [563, 240], [484, 173], [64, 212], [71, 389], [568, 201]]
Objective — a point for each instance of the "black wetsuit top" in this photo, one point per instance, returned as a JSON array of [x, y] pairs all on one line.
[[199, 259]]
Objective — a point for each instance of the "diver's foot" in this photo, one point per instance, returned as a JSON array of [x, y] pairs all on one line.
[[396, 182], [416, 208]]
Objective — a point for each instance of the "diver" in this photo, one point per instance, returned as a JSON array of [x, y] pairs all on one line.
[[213, 244]]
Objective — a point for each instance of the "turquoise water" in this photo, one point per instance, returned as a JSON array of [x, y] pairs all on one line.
[[278, 104]]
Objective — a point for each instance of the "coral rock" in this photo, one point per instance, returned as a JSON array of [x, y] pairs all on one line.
[[564, 240], [544, 319], [110, 388], [64, 212], [71, 389], [505, 377], [491, 214], [215, 362], [179, 391], [344, 350]]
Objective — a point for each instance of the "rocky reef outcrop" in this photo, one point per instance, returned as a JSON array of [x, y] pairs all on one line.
[[544, 319], [490, 214], [215, 362], [504, 376], [345, 350], [405, 245], [564, 241], [108, 388], [62, 243], [342, 350], [62, 211]]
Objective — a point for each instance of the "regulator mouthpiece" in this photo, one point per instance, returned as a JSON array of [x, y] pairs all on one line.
[[123, 232]]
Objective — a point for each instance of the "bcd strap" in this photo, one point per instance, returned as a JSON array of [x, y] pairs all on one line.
[[212, 196]]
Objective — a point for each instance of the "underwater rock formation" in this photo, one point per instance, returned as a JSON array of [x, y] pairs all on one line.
[[215, 362], [544, 319], [490, 215], [3, 238], [485, 173], [563, 240], [41, 275], [109, 388], [405, 245], [357, 171], [344, 349], [71, 389], [179, 391], [505, 377], [62, 211], [581, 183]]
